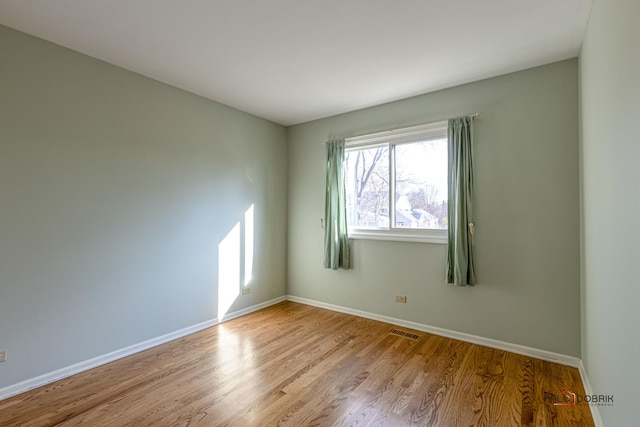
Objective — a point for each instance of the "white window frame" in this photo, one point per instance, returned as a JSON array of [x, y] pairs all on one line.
[[427, 132]]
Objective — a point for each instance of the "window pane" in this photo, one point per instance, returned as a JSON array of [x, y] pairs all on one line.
[[367, 187], [421, 184]]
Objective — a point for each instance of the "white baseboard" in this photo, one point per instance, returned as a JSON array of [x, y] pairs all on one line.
[[59, 374], [474, 339], [588, 390]]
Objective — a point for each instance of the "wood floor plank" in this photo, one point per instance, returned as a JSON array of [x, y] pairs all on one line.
[[296, 365]]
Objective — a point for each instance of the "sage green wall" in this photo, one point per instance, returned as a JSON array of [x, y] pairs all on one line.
[[610, 150], [115, 191], [527, 216]]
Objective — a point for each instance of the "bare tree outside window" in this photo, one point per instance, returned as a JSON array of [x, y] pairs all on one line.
[[367, 187]]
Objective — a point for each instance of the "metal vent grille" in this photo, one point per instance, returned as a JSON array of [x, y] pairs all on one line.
[[404, 334]]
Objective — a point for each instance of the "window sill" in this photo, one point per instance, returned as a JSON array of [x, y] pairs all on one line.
[[435, 236]]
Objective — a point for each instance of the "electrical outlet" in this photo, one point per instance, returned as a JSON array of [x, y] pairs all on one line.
[[401, 298], [3, 356], [246, 290]]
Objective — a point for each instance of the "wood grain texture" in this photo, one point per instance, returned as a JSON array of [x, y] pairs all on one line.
[[297, 365]]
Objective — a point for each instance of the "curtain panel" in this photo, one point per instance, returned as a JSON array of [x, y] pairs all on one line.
[[336, 240], [460, 269]]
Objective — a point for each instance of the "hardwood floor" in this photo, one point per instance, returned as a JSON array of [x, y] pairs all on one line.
[[297, 365]]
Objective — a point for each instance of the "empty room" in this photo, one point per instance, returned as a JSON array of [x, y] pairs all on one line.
[[336, 213]]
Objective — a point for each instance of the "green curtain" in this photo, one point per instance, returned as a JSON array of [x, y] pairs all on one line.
[[460, 271], [336, 240]]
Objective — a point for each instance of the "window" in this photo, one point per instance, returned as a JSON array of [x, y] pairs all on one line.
[[396, 184]]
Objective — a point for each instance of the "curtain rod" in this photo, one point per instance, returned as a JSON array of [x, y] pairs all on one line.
[[471, 116]]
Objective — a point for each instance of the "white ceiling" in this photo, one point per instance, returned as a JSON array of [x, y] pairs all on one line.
[[292, 61]]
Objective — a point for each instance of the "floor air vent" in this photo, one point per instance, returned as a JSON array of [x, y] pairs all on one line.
[[404, 334]]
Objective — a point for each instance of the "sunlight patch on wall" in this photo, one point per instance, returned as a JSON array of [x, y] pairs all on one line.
[[248, 246], [235, 262], [228, 270]]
